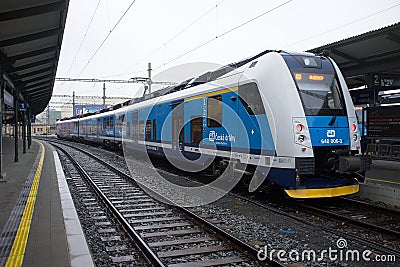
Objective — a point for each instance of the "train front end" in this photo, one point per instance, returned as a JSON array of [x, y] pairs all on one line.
[[329, 128]]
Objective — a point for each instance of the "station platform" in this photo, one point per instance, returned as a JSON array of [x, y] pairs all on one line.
[[384, 172], [382, 183], [39, 225]]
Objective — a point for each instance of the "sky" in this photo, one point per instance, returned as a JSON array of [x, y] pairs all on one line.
[[107, 39]]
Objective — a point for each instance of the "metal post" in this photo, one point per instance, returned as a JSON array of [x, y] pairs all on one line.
[[363, 140], [23, 132], [16, 97], [1, 124], [73, 103], [48, 120], [104, 95], [149, 81], [29, 129]]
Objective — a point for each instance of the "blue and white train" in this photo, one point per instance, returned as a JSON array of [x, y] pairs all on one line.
[[287, 117]]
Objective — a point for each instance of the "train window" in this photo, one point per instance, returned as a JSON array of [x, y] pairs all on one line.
[[214, 111], [135, 125], [154, 130], [119, 121], [250, 97], [141, 130], [104, 123], [177, 121], [177, 130], [320, 93], [111, 122], [148, 130], [99, 126], [309, 62], [128, 129], [196, 129]]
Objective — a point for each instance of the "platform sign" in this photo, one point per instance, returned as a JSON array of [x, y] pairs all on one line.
[[8, 99], [383, 122], [362, 96], [384, 81], [22, 106]]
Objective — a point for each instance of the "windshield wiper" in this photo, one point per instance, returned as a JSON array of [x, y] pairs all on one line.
[[332, 121]]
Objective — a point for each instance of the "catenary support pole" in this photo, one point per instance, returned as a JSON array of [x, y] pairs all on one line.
[[16, 96], [2, 84], [104, 95], [23, 132], [29, 129], [73, 103], [149, 80]]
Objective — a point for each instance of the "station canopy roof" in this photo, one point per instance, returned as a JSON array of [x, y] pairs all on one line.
[[373, 52], [31, 33]]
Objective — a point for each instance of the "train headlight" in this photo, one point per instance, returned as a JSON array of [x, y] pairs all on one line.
[[355, 137], [301, 138], [354, 127]]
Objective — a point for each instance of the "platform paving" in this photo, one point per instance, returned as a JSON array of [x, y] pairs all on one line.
[[15, 175], [48, 242], [384, 173]]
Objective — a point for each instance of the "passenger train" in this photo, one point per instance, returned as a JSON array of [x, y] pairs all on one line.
[[288, 118]]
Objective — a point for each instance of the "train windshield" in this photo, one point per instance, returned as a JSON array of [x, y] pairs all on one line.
[[320, 93]]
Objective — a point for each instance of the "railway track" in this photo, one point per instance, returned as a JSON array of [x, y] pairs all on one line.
[[379, 219], [167, 235], [348, 236], [104, 234]]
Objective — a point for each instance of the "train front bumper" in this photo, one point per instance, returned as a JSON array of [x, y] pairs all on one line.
[[324, 187]]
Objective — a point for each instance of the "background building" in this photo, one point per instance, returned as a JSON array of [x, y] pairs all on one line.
[[88, 104]]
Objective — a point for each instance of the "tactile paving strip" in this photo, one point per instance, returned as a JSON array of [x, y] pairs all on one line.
[[10, 229]]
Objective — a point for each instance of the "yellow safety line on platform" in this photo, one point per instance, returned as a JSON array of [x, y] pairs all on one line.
[[18, 249], [385, 181]]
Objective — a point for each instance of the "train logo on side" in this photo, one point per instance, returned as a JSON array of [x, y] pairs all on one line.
[[214, 136]]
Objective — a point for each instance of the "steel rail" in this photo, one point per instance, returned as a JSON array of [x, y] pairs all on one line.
[[150, 256], [236, 243], [348, 236], [355, 222]]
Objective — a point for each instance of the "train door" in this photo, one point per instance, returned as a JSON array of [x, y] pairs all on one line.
[[177, 125], [254, 133], [112, 126], [135, 126], [98, 128]]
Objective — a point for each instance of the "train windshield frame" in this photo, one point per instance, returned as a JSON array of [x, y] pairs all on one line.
[[320, 92]]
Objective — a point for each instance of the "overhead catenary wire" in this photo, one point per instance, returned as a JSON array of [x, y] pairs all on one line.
[[224, 33], [168, 61], [183, 30], [164, 44], [84, 36], [82, 41], [106, 38], [342, 26]]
